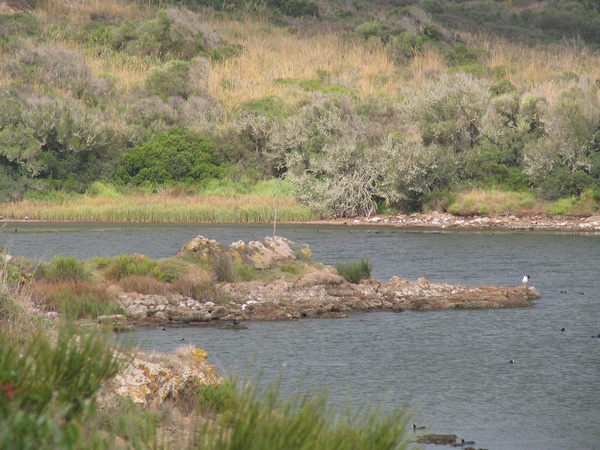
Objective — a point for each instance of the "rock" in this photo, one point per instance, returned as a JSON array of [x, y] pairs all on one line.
[[155, 378], [137, 311], [184, 315], [319, 292]]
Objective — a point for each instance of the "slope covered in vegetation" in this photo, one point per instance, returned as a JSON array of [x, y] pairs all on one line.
[[360, 107]]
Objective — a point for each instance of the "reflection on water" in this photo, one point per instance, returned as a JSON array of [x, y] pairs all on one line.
[[451, 366]]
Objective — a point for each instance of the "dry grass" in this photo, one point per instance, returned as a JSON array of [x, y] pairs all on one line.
[[425, 67], [545, 72], [270, 53], [145, 284], [80, 11], [274, 53]]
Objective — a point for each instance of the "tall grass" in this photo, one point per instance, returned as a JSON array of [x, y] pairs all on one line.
[[355, 271], [65, 268], [162, 208], [259, 421], [481, 201], [74, 300]]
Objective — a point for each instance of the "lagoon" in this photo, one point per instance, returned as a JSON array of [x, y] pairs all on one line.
[[450, 367]]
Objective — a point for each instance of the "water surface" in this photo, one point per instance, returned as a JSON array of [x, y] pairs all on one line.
[[451, 366]]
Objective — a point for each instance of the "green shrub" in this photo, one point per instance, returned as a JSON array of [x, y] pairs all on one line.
[[217, 398], [246, 273], [49, 386], [172, 79], [124, 265], [179, 155], [65, 268], [355, 271]]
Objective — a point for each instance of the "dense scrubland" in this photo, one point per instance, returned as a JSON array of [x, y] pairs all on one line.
[[337, 108]]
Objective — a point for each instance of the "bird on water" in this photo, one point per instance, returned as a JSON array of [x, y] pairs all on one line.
[[525, 280], [415, 427]]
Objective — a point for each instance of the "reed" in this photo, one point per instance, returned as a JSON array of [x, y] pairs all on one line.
[[161, 208]]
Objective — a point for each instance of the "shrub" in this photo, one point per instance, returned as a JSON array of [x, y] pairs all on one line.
[[172, 32], [124, 265], [49, 386], [217, 398], [246, 273], [179, 155], [169, 80], [450, 113], [65, 268], [355, 271]]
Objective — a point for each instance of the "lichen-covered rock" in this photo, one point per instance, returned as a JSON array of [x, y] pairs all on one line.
[[151, 379]]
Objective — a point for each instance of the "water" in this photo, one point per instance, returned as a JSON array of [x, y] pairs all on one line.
[[450, 366]]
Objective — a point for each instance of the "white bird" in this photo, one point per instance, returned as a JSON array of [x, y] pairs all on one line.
[[525, 280]]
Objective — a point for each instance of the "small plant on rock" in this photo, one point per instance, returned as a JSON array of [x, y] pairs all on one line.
[[355, 271]]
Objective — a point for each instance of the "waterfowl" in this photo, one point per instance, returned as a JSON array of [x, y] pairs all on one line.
[[236, 322], [562, 329], [525, 280], [417, 428], [463, 442], [512, 361], [163, 328], [182, 339]]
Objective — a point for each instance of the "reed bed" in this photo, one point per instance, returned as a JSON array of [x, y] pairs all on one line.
[[161, 208]]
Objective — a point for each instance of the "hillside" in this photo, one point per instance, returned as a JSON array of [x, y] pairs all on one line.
[[360, 107]]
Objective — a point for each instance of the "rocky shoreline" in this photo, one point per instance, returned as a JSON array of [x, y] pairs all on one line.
[[497, 222], [438, 220], [319, 292]]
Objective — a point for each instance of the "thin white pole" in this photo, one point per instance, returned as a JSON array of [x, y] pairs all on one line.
[[275, 218]]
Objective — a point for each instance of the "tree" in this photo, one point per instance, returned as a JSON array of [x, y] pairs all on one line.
[[176, 156]]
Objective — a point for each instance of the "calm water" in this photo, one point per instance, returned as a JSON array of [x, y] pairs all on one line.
[[452, 367]]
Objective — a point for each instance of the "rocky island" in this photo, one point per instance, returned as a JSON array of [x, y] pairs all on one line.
[[286, 284]]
